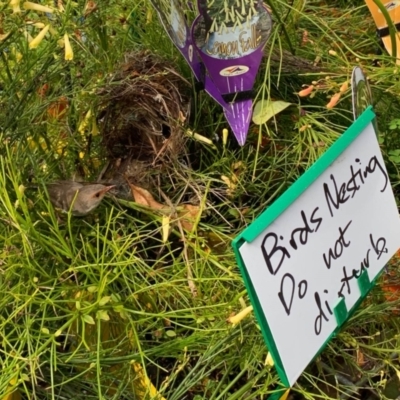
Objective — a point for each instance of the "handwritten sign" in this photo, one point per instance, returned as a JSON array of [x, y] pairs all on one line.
[[308, 258]]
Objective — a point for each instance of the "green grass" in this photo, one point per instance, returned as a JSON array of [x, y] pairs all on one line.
[[89, 307]]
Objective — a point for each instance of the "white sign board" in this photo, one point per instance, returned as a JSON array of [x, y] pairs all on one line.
[[306, 252]]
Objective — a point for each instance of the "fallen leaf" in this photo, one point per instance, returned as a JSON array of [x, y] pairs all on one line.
[[188, 216], [57, 108], [360, 358], [143, 386], [264, 110], [391, 291], [145, 198], [91, 7], [43, 90]]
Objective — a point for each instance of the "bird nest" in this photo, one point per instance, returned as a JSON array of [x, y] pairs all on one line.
[[144, 108]]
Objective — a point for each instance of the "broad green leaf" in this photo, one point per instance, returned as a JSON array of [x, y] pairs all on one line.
[[115, 297], [264, 110], [88, 319], [170, 333], [103, 301], [102, 314]]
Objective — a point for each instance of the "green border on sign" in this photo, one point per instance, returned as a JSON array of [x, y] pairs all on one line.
[[275, 210]]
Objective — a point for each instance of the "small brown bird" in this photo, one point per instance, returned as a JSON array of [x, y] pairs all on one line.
[[82, 198]]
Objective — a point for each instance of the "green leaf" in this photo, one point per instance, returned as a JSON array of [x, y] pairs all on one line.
[[88, 319], [115, 298], [170, 333], [104, 300], [102, 314], [264, 110]]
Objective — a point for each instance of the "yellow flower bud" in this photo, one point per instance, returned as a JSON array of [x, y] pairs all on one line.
[[224, 136], [238, 317], [69, 54], [36, 41], [36, 7], [334, 100], [344, 87], [15, 5], [305, 92]]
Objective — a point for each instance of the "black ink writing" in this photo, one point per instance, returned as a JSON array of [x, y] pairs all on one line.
[[287, 278], [355, 274], [379, 246], [270, 249], [317, 220], [302, 232], [287, 291], [322, 313], [275, 253], [348, 189], [336, 251]]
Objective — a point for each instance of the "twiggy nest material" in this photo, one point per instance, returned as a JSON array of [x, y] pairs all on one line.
[[144, 107]]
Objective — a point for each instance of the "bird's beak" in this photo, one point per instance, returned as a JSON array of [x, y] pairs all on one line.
[[107, 189]]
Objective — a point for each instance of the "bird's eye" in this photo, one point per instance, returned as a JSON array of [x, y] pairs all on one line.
[[97, 194]]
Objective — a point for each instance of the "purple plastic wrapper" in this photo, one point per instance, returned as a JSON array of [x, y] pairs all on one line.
[[172, 17], [230, 42], [238, 115], [232, 54], [224, 50]]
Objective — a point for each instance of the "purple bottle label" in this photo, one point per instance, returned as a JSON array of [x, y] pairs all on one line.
[[230, 38]]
